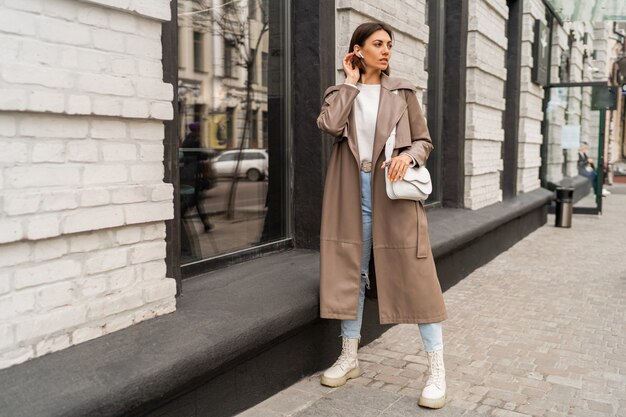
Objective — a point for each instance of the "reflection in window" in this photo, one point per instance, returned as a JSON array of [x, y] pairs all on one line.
[[198, 64], [231, 190]]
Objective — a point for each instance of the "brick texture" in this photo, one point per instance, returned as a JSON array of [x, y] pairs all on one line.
[[82, 198]]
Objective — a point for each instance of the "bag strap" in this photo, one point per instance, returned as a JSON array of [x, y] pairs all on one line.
[[391, 140]]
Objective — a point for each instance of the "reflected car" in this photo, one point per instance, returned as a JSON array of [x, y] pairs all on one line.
[[253, 165]]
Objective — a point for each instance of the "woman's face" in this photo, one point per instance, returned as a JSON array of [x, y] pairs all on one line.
[[376, 50]]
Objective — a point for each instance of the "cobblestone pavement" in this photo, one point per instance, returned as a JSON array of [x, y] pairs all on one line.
[[538, 331]]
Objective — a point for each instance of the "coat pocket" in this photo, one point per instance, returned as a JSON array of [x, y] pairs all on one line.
[[423, 240]]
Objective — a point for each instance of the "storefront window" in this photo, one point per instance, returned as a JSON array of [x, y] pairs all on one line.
[[232, 159]]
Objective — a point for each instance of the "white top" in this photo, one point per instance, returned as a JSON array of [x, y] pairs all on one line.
[[365, 113]]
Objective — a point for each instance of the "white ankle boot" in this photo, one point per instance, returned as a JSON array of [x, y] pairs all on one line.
[[434, 393], [345, 367]]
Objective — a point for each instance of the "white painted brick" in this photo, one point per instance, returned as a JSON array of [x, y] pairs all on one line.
[[36, 52], [10, 230], [86, 242], [6, 336], [35, 74], [17, 356], [22, 203], [60, 8], [91, 286], [82, 151], [41, 101], [5, 282], [86, 333], [48, 152], [116, 303], [43, 226], [55, 295], [158, 290], [119, 152], [149, 28], [153, 270], [163, 192], [106, 260], [152, 69], [92, 16], [14, 254], [53, 321], [16, 303], [128, 234], [54, 127], [131, 194], [12, 99], [154, 231], [151, 153], [106, 84], [156, 9], [46, 273], [124, 66], [47, 249], [17, 22], [13, 152], [108, 129], [148, 212], [123, 22], [8, 127], [27, 5], [146, 172], [142, 47], [138, 109], [106, 106], [93, 219], [104, 174], [119, 323], [11, 48], [94, 197], [78, 104], [59, 200], [53, 344], [146, 252], [162, 111], [58, 31], [108, 40], [120, 279], [42, 176], [155, 89], [147, 130]]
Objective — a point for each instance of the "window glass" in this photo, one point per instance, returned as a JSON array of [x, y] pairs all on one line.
[[232, 195]]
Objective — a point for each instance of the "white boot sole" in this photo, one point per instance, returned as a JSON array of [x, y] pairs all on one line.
[[432, 402], [337, 382]]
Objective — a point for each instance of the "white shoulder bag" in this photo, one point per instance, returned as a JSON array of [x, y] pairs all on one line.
[[415, 185]]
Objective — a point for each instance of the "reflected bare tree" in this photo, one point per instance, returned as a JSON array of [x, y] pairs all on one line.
[[242, 24]]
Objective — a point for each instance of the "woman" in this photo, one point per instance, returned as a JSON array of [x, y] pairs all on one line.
[[357, 215]]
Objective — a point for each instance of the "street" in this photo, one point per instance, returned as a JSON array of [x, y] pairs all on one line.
[[538, 331]]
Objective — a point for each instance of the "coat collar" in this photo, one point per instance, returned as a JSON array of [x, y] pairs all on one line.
[[391, 106]]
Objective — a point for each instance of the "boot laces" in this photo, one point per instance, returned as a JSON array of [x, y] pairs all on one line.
[[436, 371], [344, 361]]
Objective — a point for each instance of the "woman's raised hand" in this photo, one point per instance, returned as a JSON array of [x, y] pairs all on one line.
[[352, 72]]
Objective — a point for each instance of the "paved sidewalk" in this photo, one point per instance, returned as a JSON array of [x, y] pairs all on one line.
[[538, 331]]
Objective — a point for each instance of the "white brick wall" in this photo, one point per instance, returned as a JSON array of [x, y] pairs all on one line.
[[406, 18], [82, 198], [485, 105], [531, 96]]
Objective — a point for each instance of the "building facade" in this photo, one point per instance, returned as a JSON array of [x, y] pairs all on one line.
[[128, 130]]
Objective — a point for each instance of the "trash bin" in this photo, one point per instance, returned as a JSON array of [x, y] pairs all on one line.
[[564, 206]]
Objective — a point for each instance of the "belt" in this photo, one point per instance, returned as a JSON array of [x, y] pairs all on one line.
[[366, 166]]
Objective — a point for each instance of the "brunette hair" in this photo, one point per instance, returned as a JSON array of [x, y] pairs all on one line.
[[360, 35]]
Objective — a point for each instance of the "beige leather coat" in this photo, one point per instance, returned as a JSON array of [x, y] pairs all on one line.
[[406, 278]]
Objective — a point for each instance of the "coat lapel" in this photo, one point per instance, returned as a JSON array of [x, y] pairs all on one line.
[[390, 108]]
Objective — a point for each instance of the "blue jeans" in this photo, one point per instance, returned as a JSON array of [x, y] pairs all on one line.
[[432, 335]]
